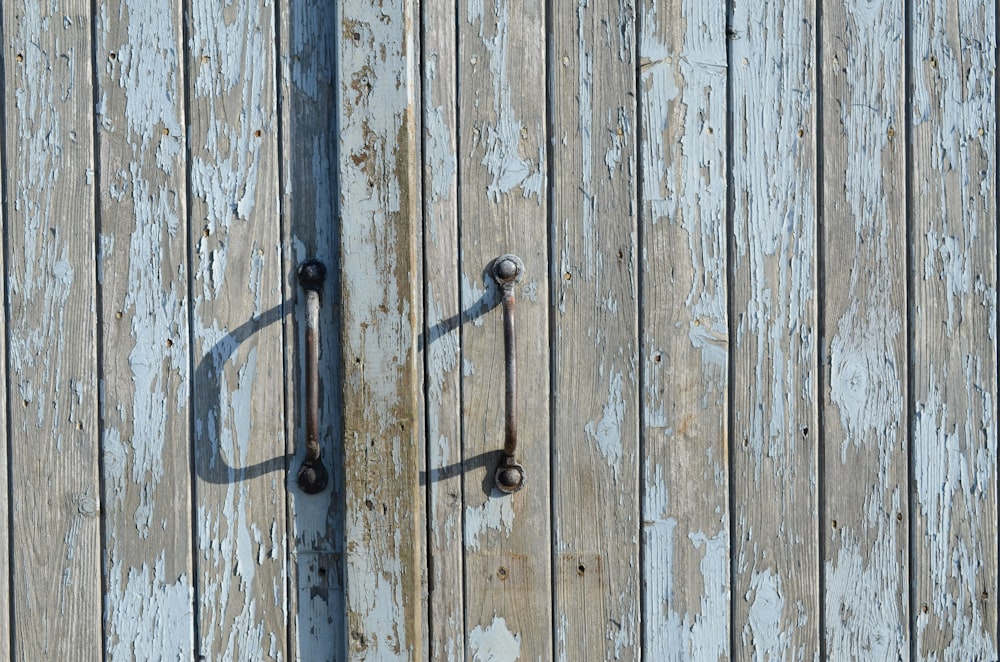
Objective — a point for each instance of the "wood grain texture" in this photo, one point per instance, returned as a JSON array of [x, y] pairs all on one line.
[[685, 355], [237, 298], [865, 408], [595, 355], [380, 278], [954, 353], [503, 209], [141, 178], [310, 229], [775, 589], [442, 334], [49, 226]]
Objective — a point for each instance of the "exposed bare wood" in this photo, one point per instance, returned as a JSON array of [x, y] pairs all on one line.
[[775, 584], [595, 355], [141, 176], [51, 325], [502, 176], [379, 224], [685, 471], [954, 355], [237, 299], [310, 230], [865, 406], [442, 335]]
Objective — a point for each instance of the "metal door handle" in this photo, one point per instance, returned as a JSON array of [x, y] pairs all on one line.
[[312, 474], [507, 271]]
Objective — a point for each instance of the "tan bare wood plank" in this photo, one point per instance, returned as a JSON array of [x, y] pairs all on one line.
[[685, 531], [49, 228], [502, 120], [864, 523], [954, 235], [310, 231], [775, 583], [596, 442], [5, 532], [442, 336], [141, 178], [379, 208], [237, 299]]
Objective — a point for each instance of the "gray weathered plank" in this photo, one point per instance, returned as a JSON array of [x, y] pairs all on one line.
[[595, 329], [954, 356], [442, 337], [775, 584], [50, 278], [141, 177], [684, 322], [237, 344], [502, 174], [380, 278], [864, 416], [308, 152]]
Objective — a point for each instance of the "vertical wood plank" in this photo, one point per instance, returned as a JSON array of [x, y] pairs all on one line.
[[684, 320], [7, 393], [775, 551], [49, 227], [141, 177], [864, 521], [595, 353], [442, 337], [954, 358], [503, 209], [237, 291], [380, 277], [308, 153]]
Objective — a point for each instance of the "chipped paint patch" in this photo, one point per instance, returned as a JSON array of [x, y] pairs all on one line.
[[607, 432], [149, 618], [495, 643], [496, 513]]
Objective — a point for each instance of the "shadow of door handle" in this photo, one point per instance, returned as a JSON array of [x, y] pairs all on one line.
[[313, 476], [507, 271]]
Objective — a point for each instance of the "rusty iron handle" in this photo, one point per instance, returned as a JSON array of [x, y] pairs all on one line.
[[313, 476], [507, 271]]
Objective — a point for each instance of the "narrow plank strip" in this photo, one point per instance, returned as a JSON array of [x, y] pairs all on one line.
[[864, 521], [49, 225], [685, 504], [237, 300], [502, 174], [380, 219], [775, 585], [594, 228], [442, 337], [310, 230], [141, 177], [954, 234]]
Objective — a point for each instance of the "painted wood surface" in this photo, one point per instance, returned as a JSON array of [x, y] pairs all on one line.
[[865, 520], [49, 237], [756, 335]]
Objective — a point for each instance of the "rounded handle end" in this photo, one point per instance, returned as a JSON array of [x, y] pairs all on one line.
[[312, 273], [508, 269], [313, 477], [509, 477]]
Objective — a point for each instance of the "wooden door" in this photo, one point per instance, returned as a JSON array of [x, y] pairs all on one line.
[[756, 331]]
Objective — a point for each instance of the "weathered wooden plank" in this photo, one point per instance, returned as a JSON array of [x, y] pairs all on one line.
[[775, 583], [954, 354], [141, 178], [49, 227], [308, 152], [380, 273], [442, 338], [595, 481], [240, 448], [503, 209], [864, 418], [684, 322], [6, 397]]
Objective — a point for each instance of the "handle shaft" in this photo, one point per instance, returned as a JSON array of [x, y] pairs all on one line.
[[313, 476], [509, 476]]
